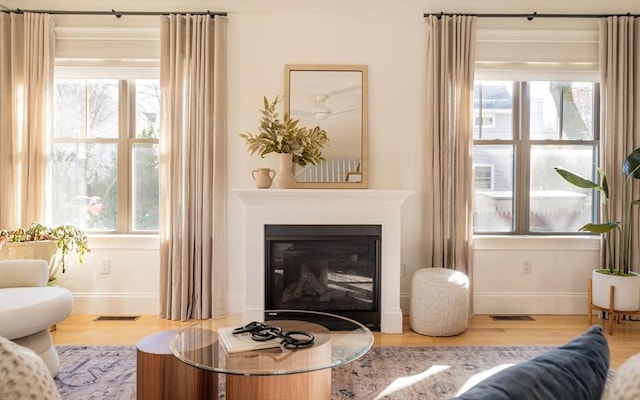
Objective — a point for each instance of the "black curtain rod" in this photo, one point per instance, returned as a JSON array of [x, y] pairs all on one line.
[[532, 16], [115, 13]]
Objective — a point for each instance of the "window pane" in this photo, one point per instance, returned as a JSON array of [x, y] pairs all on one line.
[[102, 110], [85, 185], [86, 108], [70, 104], [571, 100], [493, 207], [493, 110], [145, 187], [556, 205], [147, 109]]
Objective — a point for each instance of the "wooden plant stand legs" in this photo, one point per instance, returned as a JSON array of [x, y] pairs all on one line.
[[611, 310], [613, 313]]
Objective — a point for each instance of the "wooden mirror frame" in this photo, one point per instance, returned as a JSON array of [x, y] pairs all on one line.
[[352, 178]]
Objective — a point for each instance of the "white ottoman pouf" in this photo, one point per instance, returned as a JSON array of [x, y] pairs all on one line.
[[439, 302]]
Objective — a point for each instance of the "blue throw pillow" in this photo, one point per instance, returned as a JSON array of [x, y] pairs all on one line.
[[576, 371]]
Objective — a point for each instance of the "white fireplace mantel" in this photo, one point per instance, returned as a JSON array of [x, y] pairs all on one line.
[[316, 207]]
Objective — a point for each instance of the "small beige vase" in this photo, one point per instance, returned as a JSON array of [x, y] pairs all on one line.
[[263, 177], [284, 178]]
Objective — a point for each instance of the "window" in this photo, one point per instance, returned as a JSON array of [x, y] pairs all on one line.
[[536, 126], [104, 163], [483, 176], [487, 121]]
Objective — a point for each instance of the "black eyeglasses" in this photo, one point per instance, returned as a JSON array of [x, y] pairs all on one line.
[[261, 332]]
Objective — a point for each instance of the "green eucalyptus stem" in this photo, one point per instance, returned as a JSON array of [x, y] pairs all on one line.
[[285, 136]]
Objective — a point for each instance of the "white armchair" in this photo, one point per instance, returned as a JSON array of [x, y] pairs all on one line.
[[28, 307]]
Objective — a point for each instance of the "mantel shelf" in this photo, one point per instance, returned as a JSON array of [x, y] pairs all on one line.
[[322, 195]]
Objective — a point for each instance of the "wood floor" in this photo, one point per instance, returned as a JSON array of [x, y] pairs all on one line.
[[482, 330]]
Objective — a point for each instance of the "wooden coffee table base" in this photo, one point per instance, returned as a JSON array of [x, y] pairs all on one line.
[[314, 385], [161, 376]]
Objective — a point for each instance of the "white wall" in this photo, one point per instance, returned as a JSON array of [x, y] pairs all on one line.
[[388, 36], [132, 286]]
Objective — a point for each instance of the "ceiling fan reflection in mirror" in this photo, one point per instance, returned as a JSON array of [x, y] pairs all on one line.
[[321, 110]]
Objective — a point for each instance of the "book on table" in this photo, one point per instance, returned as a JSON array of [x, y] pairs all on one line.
[[235, 343]]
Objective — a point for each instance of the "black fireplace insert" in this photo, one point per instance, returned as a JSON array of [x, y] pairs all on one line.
[[328, 268]]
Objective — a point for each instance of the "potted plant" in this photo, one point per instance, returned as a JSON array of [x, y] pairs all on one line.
[[42, 242], [295, 144], [618, 272]]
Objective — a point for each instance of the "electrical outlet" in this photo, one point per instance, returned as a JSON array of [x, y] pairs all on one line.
[[526, 267], [105, 266]]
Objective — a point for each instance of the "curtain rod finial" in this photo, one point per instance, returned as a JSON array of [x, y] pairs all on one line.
[[532, 16]]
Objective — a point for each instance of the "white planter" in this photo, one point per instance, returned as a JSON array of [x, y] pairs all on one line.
[[627, 291], [41, 250]]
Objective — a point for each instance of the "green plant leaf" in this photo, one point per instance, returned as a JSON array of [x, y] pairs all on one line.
[[631, 164], [285, 136], [605, 185], [599, 228], [576, 179]]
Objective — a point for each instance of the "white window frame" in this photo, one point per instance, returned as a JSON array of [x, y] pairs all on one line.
[[522, 145], [126, 138]]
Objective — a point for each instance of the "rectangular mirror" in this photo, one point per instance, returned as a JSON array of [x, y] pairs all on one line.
[[333, 97]]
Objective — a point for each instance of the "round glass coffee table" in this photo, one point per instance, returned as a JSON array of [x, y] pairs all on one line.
[[281, 372]]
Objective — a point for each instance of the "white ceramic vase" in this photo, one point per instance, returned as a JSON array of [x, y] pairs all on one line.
[[626, 295], [284, 177]]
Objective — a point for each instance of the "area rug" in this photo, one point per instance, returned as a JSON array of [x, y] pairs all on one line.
[[109, 372]]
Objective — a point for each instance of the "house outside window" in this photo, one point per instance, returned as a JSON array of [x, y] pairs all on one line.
[[104, 155], [486, 121], [483, 176], [537, 125]]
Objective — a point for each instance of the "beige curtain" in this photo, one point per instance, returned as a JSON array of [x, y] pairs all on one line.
[[448, 175], [27, 47], [193, 184], [620, 113]]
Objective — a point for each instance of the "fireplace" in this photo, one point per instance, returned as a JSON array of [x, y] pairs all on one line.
[[259, 208], [328, 268]]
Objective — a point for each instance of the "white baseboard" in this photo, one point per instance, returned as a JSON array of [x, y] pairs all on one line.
[[116, 303], [391, 321], [484, 303]]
